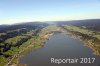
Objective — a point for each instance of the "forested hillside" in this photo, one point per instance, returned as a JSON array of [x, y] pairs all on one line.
[[93, 24], [13, 36]]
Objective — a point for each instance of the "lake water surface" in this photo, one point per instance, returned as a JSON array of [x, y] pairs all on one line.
[[60, 46]]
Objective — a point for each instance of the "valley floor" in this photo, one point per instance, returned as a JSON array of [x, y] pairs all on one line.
[[89, 37]]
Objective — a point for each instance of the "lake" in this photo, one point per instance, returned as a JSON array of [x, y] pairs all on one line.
[[60, 46]]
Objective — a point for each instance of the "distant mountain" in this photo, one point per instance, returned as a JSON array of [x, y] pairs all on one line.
[[93, 24], [28, 25]]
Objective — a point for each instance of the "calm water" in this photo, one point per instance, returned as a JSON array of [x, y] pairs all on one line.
[[60, 46]]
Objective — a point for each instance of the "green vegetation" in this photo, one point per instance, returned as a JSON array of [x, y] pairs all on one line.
[[97, 36], [16, 43], [13, 43], [15, 40], [91, 38], [2, 34], [78, 29], [49, 29], [13, 47], [3, 60]]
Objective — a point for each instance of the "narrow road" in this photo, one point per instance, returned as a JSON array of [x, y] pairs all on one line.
[[18, 55]]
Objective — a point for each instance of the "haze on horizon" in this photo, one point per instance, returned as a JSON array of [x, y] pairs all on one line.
[[16, 11]]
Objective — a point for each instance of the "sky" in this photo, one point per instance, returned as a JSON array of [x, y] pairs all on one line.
[[17, 11]]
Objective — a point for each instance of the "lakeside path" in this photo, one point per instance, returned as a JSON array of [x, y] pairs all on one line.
[[18, 55]]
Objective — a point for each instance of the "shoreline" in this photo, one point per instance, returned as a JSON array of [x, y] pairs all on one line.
[[32, 47], [45, 37], [86, 42], [72, 36]]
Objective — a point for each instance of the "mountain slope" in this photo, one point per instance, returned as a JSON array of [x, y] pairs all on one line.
[[93, 24]]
